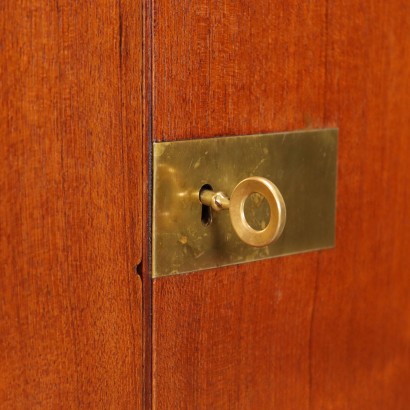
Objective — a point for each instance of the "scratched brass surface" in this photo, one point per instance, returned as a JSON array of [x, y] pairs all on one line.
[[302, 164]]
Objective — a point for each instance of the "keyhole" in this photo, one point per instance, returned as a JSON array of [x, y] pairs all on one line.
[[206, 212]]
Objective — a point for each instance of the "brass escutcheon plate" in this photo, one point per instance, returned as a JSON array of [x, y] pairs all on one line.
[[302, 164]]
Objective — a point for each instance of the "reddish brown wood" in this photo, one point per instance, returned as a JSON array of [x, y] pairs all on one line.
[[70, 204], [326, 329], [231, 67]]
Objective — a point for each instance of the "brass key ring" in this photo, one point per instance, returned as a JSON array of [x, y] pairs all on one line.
[[277, 207], [236, 204]]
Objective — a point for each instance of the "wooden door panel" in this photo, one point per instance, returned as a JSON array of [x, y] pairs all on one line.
[[327, 329], [231, 67], [70, 205]]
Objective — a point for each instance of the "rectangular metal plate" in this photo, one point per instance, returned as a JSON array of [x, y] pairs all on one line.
[[301, 164]]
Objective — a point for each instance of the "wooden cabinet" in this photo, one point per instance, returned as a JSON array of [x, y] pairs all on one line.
[[70, 205], [85, 91]]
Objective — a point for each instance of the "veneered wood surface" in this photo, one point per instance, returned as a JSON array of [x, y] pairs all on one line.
[[326, 329], [70, 204]]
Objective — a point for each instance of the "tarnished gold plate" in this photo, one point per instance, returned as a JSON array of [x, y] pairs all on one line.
[[301, 164]]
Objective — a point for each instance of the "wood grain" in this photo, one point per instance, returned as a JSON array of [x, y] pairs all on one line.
[[326, 329], [70, 205]]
